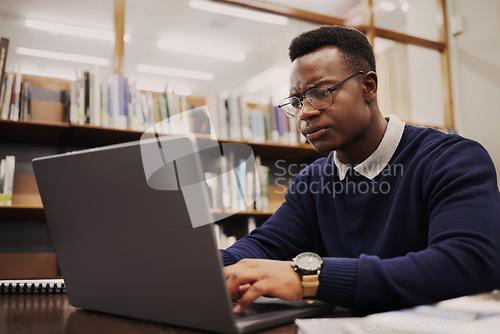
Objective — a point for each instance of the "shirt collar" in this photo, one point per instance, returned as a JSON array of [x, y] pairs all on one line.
[[376, 162]]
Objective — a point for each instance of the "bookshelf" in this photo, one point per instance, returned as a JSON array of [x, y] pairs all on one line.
[[60, 133], [66, 135], [50, 127], [63, 134]]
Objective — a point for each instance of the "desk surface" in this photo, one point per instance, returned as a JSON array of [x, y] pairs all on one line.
[[40, 314]]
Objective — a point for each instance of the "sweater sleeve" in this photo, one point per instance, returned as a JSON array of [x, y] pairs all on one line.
[[294, 229], [462, 204], [462, 255]]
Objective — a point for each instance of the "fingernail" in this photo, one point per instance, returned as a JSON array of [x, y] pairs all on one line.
[[237, 309]]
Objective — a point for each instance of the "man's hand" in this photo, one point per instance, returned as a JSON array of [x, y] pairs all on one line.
[[251, 278]]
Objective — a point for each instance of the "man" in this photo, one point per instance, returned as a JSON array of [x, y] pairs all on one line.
[[399, 215]]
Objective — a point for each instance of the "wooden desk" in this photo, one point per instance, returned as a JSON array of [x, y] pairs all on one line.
[[41, 314]]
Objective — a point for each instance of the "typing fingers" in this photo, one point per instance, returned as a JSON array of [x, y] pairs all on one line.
[[253, 292], [238, 282], [249, 279]]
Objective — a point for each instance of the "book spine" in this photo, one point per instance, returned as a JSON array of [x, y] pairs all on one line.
[[7, 96], [8, 182], [4, 48], [223, 117], [2, 180], [96, 97], [234, 118], [73, 100], [86, 99], [28, 102], [275, 137], [81, 102], [124, 99], [104, 104], [114, 98], [2, 93], [14, 106], [22, 102], [245, 115]]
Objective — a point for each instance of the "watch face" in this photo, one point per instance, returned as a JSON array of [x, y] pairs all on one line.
[[308, 261]]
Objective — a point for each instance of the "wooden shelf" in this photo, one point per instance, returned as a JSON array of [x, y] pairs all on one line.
[[65, 134], [254, 213], [275, 151], [21, 212], [28, 132], [94, 136]]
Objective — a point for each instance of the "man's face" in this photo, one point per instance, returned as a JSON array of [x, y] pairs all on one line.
[[347, 119]]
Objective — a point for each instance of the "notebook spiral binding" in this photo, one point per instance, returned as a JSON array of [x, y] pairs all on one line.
[[56, 286]]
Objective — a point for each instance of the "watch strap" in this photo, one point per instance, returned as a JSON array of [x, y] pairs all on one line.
[[310, 285]]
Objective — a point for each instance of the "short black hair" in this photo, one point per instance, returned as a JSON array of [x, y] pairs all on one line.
[[357, 50]]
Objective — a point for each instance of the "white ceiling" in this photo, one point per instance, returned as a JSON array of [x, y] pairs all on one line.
[[147, 21]]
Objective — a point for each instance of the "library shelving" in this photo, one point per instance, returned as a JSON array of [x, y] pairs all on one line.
[[62, 135], [66, 134]]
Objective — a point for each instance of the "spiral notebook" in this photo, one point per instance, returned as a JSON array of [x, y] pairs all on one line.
[[32, 286]]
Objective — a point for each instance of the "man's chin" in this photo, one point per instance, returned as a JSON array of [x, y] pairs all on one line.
[[322, 148]]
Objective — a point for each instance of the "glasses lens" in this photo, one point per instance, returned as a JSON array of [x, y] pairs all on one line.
[[319, 97], [291, 106]]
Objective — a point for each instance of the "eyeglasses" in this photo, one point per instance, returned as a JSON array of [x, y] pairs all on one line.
[[318, 97]]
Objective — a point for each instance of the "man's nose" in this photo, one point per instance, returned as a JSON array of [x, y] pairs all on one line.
[[308, 111]]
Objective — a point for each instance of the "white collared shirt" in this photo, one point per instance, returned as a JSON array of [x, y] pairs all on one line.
[[377, 161]]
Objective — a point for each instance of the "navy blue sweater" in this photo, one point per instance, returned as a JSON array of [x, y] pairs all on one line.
[[426, 228]]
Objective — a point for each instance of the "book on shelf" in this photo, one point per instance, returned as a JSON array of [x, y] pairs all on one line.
[[4, 49], [16, 97], [234, 118], [262, 202], [2, 93], [7, 96], [19, 94], [86, 102], [96, 104], [115, 102], [7, 167], [238, 185]]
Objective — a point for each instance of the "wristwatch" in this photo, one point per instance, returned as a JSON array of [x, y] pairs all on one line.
[[308, 266]]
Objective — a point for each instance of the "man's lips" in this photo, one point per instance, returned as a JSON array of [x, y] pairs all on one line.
[[313, 134]]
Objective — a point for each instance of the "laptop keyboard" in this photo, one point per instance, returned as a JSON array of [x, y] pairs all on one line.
[[257, 308]]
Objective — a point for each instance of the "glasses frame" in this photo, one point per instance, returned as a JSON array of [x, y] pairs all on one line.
[[301, 98]]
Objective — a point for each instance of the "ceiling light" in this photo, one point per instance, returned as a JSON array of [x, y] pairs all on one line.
[[198, 48], [239, 12], [175, 72], [265, 79], [387, 6], [76, 58], [153, 86], [72, 30]]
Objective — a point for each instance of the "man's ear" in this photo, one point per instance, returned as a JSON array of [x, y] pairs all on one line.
[[370, 86]]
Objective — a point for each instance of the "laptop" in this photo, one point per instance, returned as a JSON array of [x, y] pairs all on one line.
[[128, 249]]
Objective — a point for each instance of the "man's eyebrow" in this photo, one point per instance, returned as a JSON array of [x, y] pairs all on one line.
[[319, 83]]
